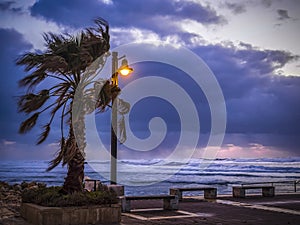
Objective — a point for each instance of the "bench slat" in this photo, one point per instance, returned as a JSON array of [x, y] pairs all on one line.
[[209, 192], [253, 187], [195, 189], [170, 202], [145, 197]]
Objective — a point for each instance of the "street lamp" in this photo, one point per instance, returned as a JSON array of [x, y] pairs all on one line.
[[123, 70]]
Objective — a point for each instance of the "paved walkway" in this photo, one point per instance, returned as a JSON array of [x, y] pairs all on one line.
[[256, 210], [225, 210]]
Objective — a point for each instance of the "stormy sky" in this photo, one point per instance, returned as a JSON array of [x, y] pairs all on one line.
[[251, 47]]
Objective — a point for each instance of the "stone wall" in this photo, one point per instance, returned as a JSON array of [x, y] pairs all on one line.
[[41, 215]]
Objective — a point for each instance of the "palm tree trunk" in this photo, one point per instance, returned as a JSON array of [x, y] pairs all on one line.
[[74, 179], [75, 152]]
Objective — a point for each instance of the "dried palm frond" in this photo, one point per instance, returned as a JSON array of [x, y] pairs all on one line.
[[106, 94], [53, 41], [55, 64], [30, 60], [33, 79], [31, 102], [44, 135], [59, 155], [29, 123]]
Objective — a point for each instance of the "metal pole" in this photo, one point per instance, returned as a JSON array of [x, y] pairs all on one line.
[[113, 146]]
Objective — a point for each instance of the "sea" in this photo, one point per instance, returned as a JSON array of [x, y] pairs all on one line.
[[147, 177]]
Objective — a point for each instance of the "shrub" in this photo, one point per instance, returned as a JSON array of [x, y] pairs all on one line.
[[51, 196]]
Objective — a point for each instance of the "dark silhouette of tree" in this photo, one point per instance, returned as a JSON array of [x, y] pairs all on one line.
[[69, 65]]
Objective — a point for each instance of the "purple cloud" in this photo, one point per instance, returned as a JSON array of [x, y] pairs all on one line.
[[236, 8], [283, 14], [133, 13]]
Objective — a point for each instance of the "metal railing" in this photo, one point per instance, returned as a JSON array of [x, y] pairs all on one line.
[[272, 183]]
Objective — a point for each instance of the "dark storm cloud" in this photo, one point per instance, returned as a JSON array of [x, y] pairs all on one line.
[[153, 15], [9, 6], [157, 107], [261, 106], [5, 5], [236, 8], [251, 66], [283, 14], [257, 100], [267, 3], [11, 45]]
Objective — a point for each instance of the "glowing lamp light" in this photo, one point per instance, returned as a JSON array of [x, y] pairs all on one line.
[[125, 69]]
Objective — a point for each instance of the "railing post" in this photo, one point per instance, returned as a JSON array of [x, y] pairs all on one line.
[[95, 185]]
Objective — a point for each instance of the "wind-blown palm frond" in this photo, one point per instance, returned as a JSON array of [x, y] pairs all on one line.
[[107, 92], [63, 64], [30, 60], [59, 155], [44, 135], [33, 79], [31, 102], [28, 124]]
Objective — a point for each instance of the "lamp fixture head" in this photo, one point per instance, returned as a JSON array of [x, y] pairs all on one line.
[[125, 69]]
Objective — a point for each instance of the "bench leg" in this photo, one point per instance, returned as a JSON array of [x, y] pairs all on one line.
[[126, 205], [268, 191], [118, 189], [238, 192], [210, 194], [171, 204], [176, 192]]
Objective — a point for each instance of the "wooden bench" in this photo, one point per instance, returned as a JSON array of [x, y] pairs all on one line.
[[240, 191], [209, 192], [170, 202]]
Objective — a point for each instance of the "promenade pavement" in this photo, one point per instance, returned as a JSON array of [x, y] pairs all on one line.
[[252, 210], [256, 210]]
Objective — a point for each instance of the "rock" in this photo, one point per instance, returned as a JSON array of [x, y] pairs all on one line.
[[32, 184], [5, 213], [17, 187], [9, 197], [42, 185], [33, 187], [10, 202]]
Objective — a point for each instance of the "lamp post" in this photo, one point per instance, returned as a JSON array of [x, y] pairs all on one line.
[[123, 70]]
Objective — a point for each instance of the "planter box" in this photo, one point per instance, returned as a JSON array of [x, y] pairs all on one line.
[[81, 215]]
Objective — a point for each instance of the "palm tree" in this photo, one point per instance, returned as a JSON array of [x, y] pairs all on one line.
[[65, 64]]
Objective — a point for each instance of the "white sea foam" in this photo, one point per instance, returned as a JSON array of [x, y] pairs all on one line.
[[222, 173]]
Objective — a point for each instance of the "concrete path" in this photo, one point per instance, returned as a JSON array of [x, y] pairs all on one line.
[[254, 210]]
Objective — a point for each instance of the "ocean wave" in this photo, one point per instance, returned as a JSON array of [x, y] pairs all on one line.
[[219, 172]]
